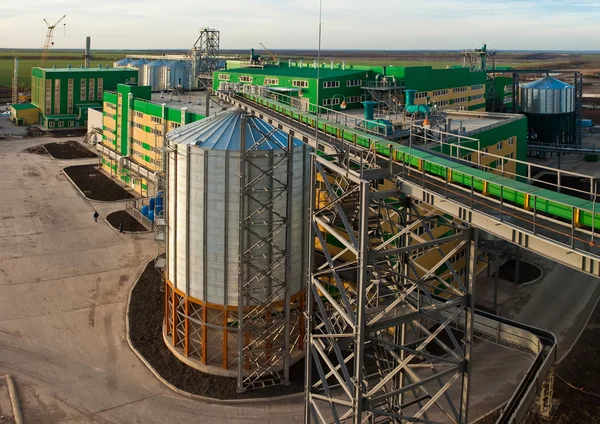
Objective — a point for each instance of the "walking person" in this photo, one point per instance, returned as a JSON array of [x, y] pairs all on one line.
[[96, 215], [121, 228]]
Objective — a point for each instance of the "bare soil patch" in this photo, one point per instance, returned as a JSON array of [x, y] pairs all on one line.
[[95, 185], [69, 150], [130, 224], [146, 311], [38, 150]]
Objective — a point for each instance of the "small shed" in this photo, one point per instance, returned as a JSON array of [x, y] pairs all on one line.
[[24, 114]]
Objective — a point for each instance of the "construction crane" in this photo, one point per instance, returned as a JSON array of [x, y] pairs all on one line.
[[49, 41], [273, 55]]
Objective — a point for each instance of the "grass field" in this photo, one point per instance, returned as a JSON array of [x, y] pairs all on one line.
[[521, 60]]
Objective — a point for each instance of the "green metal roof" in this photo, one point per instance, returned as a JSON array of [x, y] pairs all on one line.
[[23, 106], [96, 69], [295, 72]]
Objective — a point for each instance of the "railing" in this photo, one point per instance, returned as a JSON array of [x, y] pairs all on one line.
[[134, 206]]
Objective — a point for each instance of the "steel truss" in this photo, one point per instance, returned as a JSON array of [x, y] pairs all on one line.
[[387, 94], [388, 340], [264, 314], [205, 57]]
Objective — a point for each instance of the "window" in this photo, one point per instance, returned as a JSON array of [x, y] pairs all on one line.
[[511, 141], [442, 103], [511, 155], [271, 81], [440, 92], [331, 102], [460, 90], [300, 83], [508, 89], [83, 92], [354, 99], [70, 96], [224, 77], [91, 89], [354, 83], [71, 123], [499, 146], [100, 88], [245, 78], [477, 87], [483, 152], [156, 119], [48, 96], [50, 124], [61, 123], [460, 100], [421, 95], [57, 97], [331, 84], [508, 99], [477, 97]]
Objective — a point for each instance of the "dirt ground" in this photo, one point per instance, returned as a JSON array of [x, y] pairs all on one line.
[[95, 185], [69, 150], [130, 224], [581, 369], [38, 150], [146, 312]]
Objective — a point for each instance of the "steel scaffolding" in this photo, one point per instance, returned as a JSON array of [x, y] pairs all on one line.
[[388, 340], [264, 305], [205, 57]]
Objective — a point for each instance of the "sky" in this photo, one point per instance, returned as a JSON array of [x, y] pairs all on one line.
[[293, 24]]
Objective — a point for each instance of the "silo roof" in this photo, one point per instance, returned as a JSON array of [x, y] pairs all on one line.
[[223, 132], [179, 64], [124, 61], [138, 62], [548, 83], [158, 62]]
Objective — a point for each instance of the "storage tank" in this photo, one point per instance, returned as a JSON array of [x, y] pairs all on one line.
[[211, 221], [151, 74], [138, 64], [122, 63], [549, 105], [176, 74]]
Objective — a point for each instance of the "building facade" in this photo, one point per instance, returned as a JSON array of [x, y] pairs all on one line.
[[133, 135], [325, 86], [64, 95]]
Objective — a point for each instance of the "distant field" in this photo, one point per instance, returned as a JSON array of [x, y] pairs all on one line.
[[519, 60]]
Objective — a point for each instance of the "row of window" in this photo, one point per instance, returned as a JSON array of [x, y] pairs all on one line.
[[331, 84], [331, 102], [443, 92], [508, 99], [51, 124], [477, 87], [508, 89], [421, 95], [460, 100], [271, 81], [440, 103], [460, 90], [140, 143], [477, 97], [354, 99], [300, 83]]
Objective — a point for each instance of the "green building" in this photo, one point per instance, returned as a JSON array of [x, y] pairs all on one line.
[[133, 134], [336, 85], [64, 95], [500, 94]]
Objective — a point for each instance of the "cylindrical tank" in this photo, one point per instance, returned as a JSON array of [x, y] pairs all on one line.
[[203, 230], [176, 74], [549, 105], [151, 74], [159, 198], [145, 210], [139, 65], [151, 216], [122, 63], [369, 109], [152, 203]]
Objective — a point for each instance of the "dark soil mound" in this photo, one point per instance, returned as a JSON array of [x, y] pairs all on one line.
[[95, 185], [38, 150], [527, 272], [130, 224], [146, 312], [69, 150]]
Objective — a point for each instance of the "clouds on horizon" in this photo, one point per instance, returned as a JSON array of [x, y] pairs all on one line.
[[347, 24]]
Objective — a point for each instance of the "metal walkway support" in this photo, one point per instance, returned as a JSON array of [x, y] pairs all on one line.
[[387, 94], [264, 296], [390, 340]]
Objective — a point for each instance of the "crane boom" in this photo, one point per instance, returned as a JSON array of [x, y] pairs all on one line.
[[48, 43], [273, 55]]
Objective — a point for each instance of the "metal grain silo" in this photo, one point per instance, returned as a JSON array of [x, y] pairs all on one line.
[[549, 105], [177, 74], [236, 237], [123, 62], [139, 65], [151, 74]]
